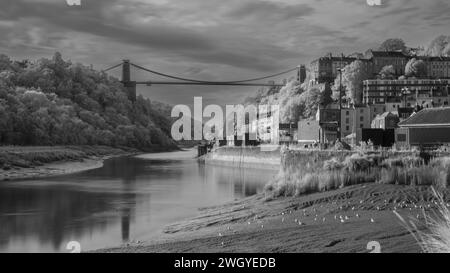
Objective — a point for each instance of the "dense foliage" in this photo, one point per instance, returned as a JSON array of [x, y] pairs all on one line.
[[416, 68], [296, 101], [353, 76], [52, 102]]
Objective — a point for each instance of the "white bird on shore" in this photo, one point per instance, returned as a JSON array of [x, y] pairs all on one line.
[[220, 234], [371, 220], [357, 215], [262, 226], [282, 220]]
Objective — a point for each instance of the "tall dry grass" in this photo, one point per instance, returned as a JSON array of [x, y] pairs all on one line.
[[334, 173], [437, 237]]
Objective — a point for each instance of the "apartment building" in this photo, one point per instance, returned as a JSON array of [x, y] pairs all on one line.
[[437, 67], [326, 69], [379, 59], [406, 93]]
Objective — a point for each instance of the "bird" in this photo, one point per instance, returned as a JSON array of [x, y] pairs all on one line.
[[220, 234], [357, 215], [371, 220]]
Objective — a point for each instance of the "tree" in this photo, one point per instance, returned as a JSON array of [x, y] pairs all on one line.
[[387, 72], [440, 46], [55, 102], [353, 76], [416, 68], [393, 44]]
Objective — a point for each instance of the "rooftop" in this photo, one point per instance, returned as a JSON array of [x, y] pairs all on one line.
[[428, 117], [388, 54]]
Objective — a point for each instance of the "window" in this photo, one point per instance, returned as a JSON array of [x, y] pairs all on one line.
[[361, 126], [347, 120], [361, 118], [347, 113], [347, 128]]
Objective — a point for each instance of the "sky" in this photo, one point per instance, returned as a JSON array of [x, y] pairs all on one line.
[[214, 40]]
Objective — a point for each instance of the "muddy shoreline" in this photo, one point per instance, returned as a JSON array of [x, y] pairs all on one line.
[[24, 163], [343, 220]]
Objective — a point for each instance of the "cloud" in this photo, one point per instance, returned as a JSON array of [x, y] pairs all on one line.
[[264, 10], [212, 39]]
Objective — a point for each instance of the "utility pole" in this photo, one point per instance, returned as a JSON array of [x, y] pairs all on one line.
[[340, 98]]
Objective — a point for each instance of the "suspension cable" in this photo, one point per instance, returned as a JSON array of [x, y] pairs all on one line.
[[112, 67], [199, 81]]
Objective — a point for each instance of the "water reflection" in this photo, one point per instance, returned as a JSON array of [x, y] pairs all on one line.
[[127, 199]]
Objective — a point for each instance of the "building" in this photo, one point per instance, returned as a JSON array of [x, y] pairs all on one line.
[[387, 120], [326, 69], [380, 59], [308, 132], [407, 93], [328, 119], [288, 132], [428, 127], [437, 67]]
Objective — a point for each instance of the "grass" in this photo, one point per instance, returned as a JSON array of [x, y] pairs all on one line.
[[437, 237], [317, 175]]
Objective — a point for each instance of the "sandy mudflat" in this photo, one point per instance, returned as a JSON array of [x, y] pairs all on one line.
[[51, 169], [309, 223], [23, 162]]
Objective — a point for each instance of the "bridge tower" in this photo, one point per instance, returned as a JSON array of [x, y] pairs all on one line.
[[129, 85]]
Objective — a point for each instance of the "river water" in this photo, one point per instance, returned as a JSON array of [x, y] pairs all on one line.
[[128, 199]]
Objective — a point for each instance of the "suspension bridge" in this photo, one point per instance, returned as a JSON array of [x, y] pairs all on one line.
[[130, 85]]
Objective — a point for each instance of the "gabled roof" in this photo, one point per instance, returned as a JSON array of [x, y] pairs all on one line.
[[428, 117]]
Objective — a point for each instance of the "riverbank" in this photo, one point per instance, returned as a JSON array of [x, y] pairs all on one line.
[[343, 220], [29, 162]]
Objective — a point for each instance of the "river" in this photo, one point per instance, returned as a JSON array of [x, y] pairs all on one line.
[[129, 199]]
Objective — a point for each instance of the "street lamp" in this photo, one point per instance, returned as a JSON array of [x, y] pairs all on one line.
[[405, 92]]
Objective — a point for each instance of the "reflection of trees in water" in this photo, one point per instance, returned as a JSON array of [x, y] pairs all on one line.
[[54, 214], [49, 213]]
